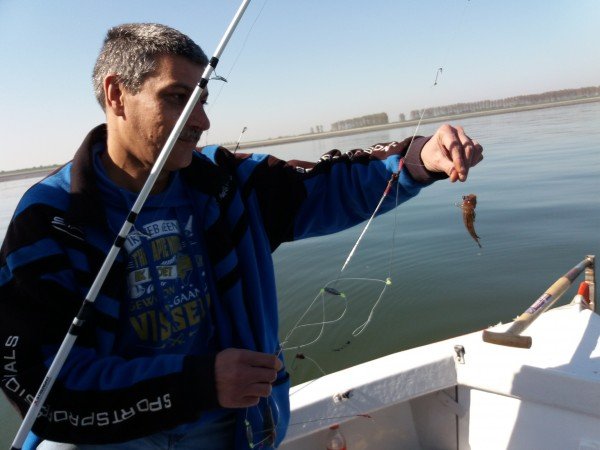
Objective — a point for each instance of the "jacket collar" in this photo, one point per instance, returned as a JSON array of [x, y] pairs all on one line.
[[85, 196], [86, 201]]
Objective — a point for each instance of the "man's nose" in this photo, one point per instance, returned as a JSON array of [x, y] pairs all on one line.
[[199, 118]]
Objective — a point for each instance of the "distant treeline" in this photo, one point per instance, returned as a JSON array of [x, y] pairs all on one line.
[[472, 107], [363, 121], [504, 103]]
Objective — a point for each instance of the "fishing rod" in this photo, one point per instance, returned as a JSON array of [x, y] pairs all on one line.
[[513, 337], [237, 145], [86, 308]]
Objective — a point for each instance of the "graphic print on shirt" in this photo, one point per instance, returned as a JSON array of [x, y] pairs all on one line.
[[168, 295]]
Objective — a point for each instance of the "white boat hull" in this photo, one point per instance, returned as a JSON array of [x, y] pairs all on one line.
[[495, 397]]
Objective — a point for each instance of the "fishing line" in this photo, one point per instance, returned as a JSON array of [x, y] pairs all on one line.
[[302, 356], [269, 423], [438, 74], [298, 325], [239, 53], [225, 79], [266, 414], [387, 282], [331, 287], [268, 417]]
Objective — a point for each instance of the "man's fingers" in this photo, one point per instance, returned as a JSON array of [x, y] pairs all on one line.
[[250, 358], [243, 376], [248, 401], [451, 151], [472, 150], [260, 375], [467, 145], [450, 157], [477, 155], [244, 396], [258, 390], [463, 151], [258, 359], [456, 146]]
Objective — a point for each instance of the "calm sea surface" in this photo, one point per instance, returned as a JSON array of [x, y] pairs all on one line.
[[538, 214]]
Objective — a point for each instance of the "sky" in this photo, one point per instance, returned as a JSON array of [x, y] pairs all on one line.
[[292, 65]]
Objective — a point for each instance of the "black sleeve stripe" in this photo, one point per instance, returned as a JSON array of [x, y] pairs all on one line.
[[227, 281]]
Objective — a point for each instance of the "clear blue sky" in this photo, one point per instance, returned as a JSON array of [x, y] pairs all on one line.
[[303, 63]]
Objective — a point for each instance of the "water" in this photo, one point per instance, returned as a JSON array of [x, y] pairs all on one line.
[[538, 214]]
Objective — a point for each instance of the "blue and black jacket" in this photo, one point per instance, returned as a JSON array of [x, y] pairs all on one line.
[[59, 236]]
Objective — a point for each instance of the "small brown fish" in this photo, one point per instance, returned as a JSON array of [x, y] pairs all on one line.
[[468, 208]]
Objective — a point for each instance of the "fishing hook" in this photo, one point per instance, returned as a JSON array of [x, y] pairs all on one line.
[[437, 75]]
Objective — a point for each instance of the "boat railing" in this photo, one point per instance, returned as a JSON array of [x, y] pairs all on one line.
[[590, 279]]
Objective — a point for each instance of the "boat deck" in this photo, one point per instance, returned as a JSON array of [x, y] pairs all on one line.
[[492, 397]]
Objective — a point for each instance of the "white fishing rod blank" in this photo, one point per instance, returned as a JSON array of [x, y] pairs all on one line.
[[86, 310]]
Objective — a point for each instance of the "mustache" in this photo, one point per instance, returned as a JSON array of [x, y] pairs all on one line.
[[190, 134]]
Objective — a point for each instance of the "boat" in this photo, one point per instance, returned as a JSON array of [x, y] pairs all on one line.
[[530, 384]]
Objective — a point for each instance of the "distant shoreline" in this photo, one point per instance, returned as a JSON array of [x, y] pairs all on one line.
[[26, 173], [42, 171], [409, 123]]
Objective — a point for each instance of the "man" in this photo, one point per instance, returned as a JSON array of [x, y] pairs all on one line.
[[182, 350]]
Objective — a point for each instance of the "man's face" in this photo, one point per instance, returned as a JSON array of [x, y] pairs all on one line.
[[150, 115]]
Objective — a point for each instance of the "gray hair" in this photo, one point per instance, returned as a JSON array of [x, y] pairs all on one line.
[[130, 51]]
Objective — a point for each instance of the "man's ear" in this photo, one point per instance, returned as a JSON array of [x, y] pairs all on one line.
[[113, 95]]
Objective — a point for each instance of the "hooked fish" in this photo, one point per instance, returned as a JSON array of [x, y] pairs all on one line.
[[468, 208]]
